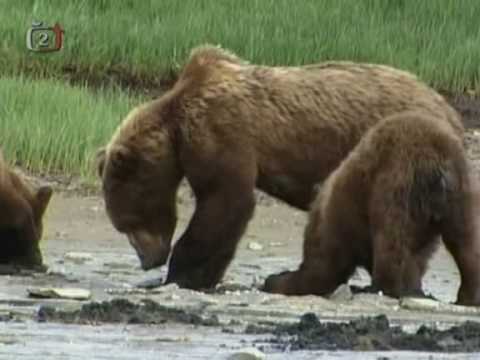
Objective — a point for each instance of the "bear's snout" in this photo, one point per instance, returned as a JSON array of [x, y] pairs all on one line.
[[152, 250]]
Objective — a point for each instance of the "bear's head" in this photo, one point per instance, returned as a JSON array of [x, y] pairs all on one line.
[[21, 220], [140, 177]]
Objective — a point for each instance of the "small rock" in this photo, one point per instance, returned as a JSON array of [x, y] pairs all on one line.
[[150, 283], [78, 257], [173, 339], [173, 297], [255, 246], [419, 303], [8, 340], [231, 286], [247, 354], [60, 293], [60, 274], [276, 244], [117, 265], [238, 304], [342, 293], [208, 301], [167, 288], [127, 291]]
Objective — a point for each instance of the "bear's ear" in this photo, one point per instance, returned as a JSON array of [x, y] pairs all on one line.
[[100, 160], [42, 199], [123, 162]]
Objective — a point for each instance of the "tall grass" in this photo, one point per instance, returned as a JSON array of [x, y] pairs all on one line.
[[48, 126], [438, 39]]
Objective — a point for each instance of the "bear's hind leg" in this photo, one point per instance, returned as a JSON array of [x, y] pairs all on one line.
[[396, 270], [461, 236]]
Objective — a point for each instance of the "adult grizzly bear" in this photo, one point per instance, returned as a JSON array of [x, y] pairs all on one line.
[[21, 214], [384, 208], [228, 127]]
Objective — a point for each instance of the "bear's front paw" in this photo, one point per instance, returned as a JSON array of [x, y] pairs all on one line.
[[278, 283], [193, 280]]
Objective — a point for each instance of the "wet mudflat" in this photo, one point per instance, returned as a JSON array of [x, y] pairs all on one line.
[[369, 334], [108, 315], [123, 321], [309, 333]]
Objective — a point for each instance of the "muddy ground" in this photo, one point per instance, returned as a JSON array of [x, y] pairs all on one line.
[[83, 251], [121, 320]]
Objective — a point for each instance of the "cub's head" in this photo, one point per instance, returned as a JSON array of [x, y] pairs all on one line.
[[21, 214], [140, 178]]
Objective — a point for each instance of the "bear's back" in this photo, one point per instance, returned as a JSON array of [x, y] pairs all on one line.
[[301, 102]]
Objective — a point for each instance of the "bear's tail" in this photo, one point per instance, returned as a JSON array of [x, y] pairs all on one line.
[[429, 194], [439, 193]]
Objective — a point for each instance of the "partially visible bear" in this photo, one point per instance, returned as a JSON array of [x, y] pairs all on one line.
[[21, 214], [385, 207], [228, 127]]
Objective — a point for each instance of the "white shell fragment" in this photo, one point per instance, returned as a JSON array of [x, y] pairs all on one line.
[[78, 257], [247, 354], [419, 303], [254, 246], [60, 293]]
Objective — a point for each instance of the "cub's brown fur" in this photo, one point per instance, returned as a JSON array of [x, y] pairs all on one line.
[[21, 215], [384, 208], [229, 127]]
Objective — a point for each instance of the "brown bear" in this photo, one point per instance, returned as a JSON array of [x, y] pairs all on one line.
[[229, 127], [21, 220], [385, 207]]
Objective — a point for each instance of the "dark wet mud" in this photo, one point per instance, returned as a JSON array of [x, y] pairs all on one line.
[[368, 334], [309, 333], [123, 311]]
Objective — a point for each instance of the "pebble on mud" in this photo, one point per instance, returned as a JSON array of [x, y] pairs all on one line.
[[173, 339], [78, 257], [150, 283], [117, 265], [419, 304], [8, 340], [255, 246], [231, 287], [247, 354], [276, 244]]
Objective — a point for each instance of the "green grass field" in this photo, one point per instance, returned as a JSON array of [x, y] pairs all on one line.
[[48, 125]]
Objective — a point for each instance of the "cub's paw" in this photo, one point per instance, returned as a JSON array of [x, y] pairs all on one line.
[[279, 283]]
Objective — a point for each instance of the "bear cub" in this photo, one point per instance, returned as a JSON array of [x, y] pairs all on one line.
[[21, 213], [405, 185]]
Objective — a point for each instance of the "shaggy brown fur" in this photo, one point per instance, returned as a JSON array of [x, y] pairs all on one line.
[[229, 127], [384, 208], [21, 214]]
